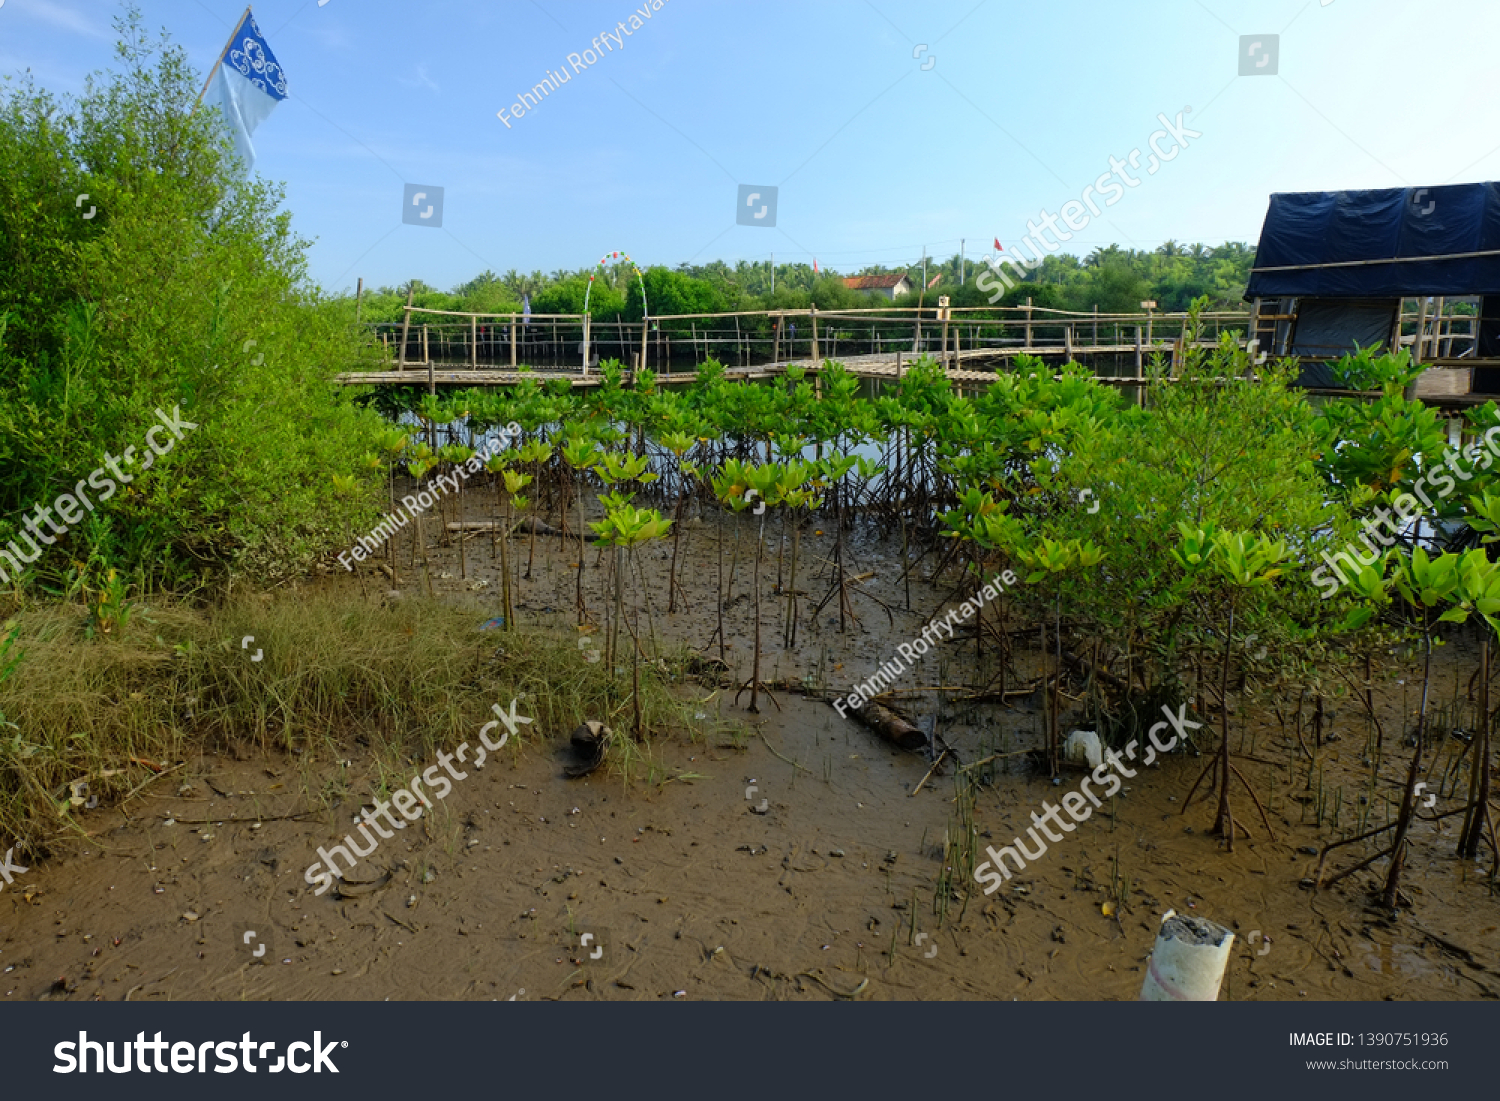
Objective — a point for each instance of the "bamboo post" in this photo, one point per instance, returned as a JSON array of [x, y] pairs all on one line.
[[739, 345], [1096, 324], [473, 341], [1028, 323], [405, 324], [587, 330], [1421, 337], [1150, 326], [943, 313], [813, 313], [693, 325], [512, 342], [359, 295], [1068, 342], [1139, 362], [426, 356], [1437, 328], [220, 59], [644, 327]]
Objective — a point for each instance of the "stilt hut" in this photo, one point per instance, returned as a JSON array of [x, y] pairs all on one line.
[[1415, 267]]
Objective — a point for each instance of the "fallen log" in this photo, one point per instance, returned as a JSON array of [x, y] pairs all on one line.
[[889, 725], [541, 527]]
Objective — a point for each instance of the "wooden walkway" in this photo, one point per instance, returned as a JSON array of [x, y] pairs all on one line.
[[881, 367]]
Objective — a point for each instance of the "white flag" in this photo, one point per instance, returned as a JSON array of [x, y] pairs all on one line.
[[247, 84]]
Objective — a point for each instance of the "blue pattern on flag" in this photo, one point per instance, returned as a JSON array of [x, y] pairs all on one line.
[[253, 59]]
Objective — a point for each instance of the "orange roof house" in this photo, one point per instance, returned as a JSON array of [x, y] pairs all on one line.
[[891, 286]]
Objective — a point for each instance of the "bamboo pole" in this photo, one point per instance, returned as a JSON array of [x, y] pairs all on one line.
[[359, 298], [227, 43], [1421, 337], [474, 342], [512, 342], [813, 313], [431, 377], [406, 323]]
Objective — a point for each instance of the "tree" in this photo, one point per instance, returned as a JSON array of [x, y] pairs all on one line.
[[187, 290]]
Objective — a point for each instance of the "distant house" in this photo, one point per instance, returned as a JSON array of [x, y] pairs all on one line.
[[892, 286]]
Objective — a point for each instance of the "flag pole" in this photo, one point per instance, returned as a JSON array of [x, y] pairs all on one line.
[[220, 59]]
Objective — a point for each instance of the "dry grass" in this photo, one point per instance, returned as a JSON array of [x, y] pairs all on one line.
[[403, 679]]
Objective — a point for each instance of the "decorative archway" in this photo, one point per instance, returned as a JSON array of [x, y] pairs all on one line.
[[587, 321]]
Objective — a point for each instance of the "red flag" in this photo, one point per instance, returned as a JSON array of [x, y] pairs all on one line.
[[998, 245], [815, 263], [935, 279]]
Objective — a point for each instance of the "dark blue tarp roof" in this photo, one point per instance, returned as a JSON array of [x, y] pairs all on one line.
[[1306, 231]]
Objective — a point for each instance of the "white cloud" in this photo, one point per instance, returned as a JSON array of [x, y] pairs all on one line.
[[421, 80], [66, 18]]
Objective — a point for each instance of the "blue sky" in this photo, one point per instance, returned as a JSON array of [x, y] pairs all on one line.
[[1013, 108]]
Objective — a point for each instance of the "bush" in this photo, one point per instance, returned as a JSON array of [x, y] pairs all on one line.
[[187, 288]]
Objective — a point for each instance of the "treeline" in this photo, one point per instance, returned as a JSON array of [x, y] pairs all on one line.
[[1113, 279]]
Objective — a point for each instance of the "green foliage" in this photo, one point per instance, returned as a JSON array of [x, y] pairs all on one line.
[[187, 288]]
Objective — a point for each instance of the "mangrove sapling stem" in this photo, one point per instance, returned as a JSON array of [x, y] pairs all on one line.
[[1263, 816], [1408, 796], [495, 522], [1224, 819], [1052, 739], [760, 539], [734, 559], [838, 554], [635, 671], [719, 589], [1479, 773], [510, 615], [676, 541], [531, 554], [614, 640], [463, 555]]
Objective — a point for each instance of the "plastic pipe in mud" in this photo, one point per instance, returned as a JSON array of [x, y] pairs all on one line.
[[1188, 962]]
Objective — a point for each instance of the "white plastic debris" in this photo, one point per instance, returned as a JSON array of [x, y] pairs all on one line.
[[1188, 962], [1083, 747]]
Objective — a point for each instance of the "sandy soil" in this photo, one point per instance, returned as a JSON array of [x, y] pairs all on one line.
[[695, 889]]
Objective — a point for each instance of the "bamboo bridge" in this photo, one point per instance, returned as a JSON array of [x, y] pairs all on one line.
[[453, 349]]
